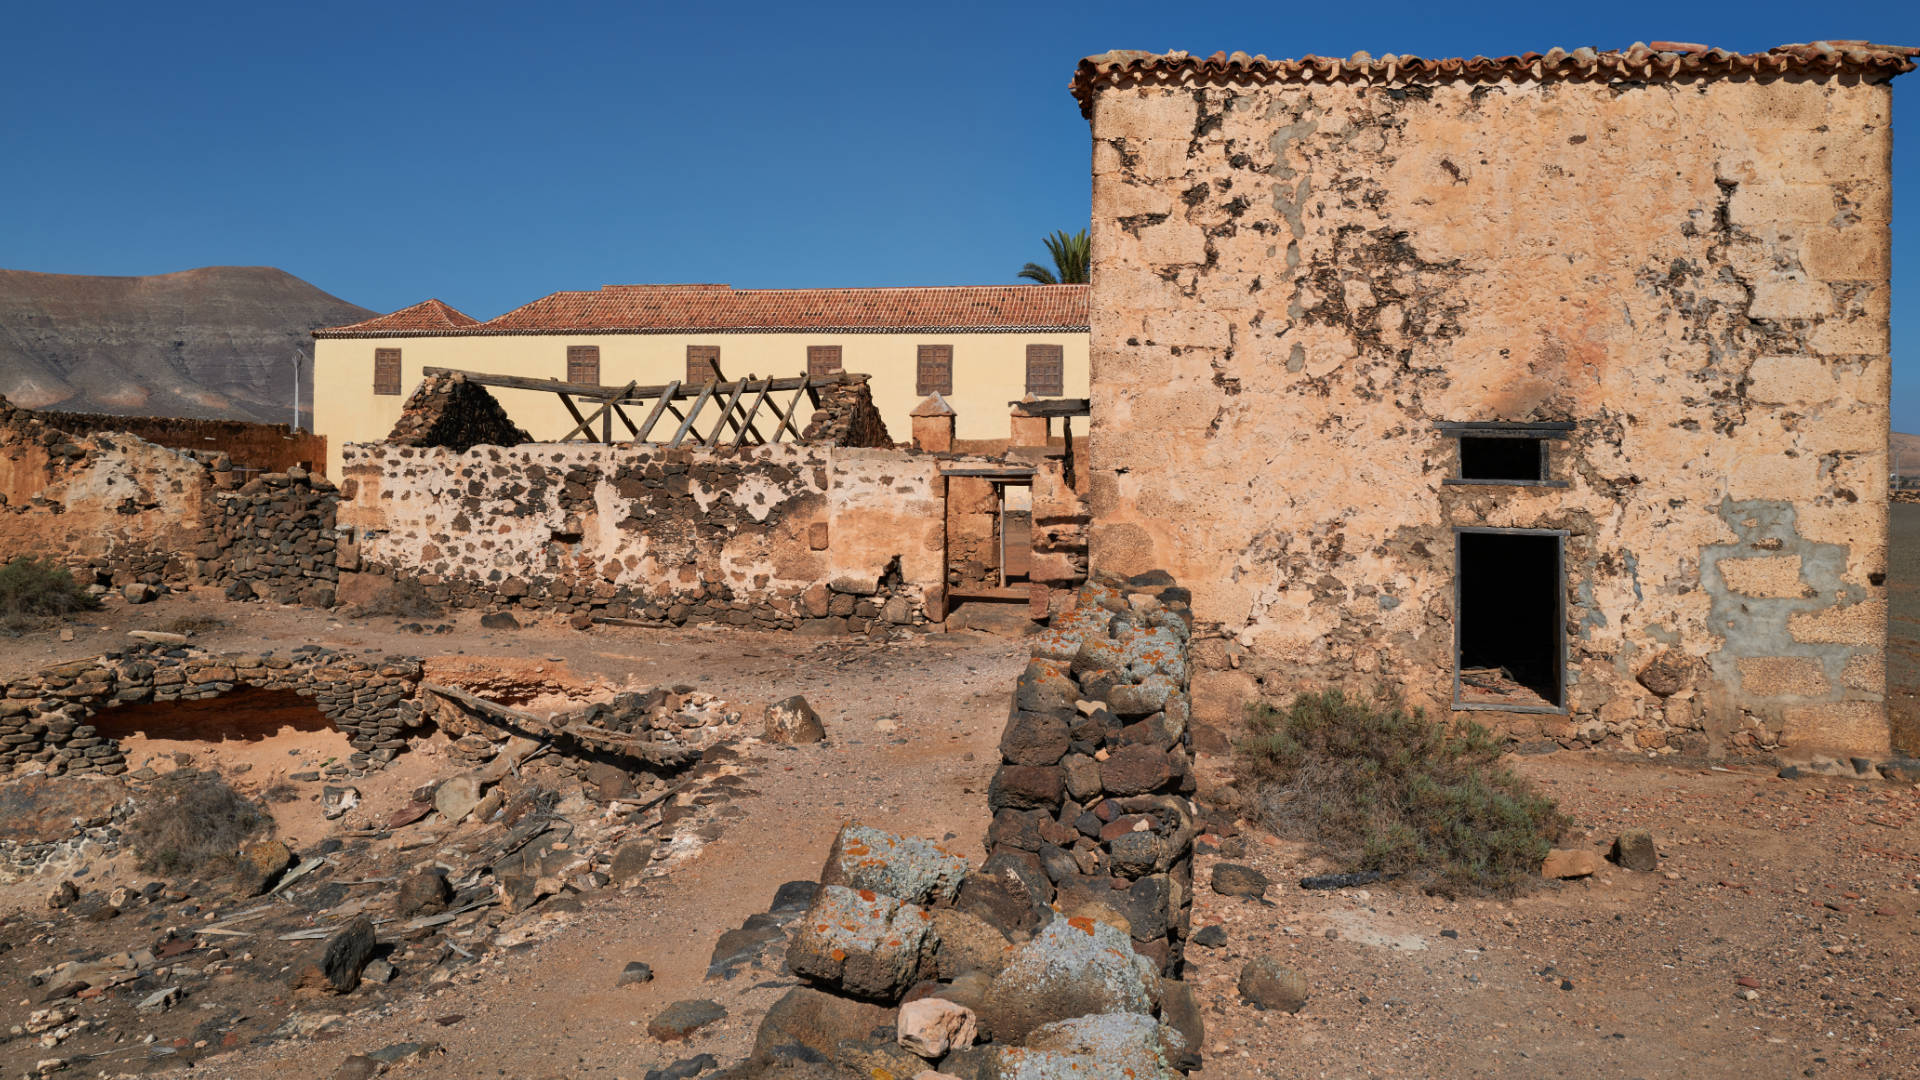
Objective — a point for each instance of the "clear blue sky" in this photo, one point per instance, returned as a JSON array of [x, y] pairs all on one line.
[[491, 153]]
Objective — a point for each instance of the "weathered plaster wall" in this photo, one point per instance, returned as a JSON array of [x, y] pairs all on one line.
[[1293, 283], [780, 536], [122, 510]]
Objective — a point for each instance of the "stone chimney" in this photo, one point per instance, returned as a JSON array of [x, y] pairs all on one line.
[[933, 425]]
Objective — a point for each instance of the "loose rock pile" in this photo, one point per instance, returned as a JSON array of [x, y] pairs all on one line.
[[904, 977]]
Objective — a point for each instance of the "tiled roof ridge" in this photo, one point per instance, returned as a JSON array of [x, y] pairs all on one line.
[[720, 309], [1640, 61], [426, 316]]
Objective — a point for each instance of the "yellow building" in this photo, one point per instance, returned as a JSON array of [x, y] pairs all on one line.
[[980, 346]]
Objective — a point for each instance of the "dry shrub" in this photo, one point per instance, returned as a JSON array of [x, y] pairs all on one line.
[[34, 588], [193, 825], [197, 624], [1378, 787]]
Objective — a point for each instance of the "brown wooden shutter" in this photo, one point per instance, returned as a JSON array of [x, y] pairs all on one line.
[[823, 360], [1045, 377], [386, 371], [935, 370], [583, 364], [703, 364]]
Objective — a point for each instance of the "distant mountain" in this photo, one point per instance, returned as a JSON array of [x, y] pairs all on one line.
[[212, 343]]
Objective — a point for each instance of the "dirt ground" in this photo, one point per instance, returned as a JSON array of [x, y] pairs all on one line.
[[1803, 894]]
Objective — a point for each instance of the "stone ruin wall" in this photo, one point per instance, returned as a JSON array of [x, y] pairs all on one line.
[[121, 511], [44, 716], [251, 446], [783, 536], [1293, 283]]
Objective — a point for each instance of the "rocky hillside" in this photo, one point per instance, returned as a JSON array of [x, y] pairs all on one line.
[[212, 343]]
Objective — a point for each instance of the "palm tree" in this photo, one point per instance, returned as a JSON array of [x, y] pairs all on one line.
[[1069, 251]]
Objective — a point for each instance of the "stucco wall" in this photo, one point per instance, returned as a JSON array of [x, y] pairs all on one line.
[[989, 370], [1292, 284], [775, 536]]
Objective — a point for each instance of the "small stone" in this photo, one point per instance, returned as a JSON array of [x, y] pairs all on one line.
[[1267, 985], [685, 1068], [635, 973], [379, 972], [341, 960], [931, 1026], [138, 592], [456, 798], [1210, 937], [63, 894], [499, 620], [682, 1018], [424, 893], [260, 865], [1233, 879], [1634, 850]]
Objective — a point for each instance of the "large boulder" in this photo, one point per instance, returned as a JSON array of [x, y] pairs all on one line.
[[815, 1022], [917, 871], [968, 943], [1113, 1044], [1072, 967], [865, 943], [793, 721]]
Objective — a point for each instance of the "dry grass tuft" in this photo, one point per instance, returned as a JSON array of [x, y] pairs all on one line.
[[1378, 787], [33, 589], [193, 825]]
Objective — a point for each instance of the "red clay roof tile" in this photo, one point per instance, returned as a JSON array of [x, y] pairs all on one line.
[[655, 309], [425, 317], [1660, 61]]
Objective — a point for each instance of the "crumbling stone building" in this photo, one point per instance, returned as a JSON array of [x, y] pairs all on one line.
[[1552, 389]]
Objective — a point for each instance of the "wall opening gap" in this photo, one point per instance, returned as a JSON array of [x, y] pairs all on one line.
[[1509, 620], [1498, 458]]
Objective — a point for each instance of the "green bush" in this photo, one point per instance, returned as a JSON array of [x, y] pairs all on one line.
[[195, 824], [33, 588], [1378, 787]]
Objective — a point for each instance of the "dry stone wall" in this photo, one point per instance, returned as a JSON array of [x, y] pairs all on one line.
[[255, 447], [44, 716], [776, 537], [1294, 283], [1091, 807]]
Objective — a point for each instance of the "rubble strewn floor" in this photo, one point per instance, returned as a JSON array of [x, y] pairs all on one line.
[[1777, 936]]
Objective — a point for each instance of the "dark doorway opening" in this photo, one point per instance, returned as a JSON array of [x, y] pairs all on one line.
[[1500, 458], [1509, 620]]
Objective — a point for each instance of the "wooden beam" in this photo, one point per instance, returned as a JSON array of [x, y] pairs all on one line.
[[567, 400], [587, 390], [786, 418], [726, 414], [1054, 407], [686, 422], [653, 417], [758, 400], [602, 414]]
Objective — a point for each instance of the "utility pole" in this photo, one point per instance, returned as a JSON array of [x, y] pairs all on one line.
[[296, 389]]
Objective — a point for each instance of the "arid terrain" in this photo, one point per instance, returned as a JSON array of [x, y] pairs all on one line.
[[1776, 938]]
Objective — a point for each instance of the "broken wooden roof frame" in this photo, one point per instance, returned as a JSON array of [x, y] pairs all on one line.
[[741, 419]]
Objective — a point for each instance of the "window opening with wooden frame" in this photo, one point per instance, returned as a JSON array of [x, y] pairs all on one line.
[[1505, 454], [933, 370], [703, 364], [386, 372], [583, 365], [1046, 376], [823, 360]]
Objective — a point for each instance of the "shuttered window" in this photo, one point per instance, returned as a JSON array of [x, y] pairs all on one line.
[[1044, 375], [934, 372], [386, 371], [703, 364], [823, 360], [583, 364]]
